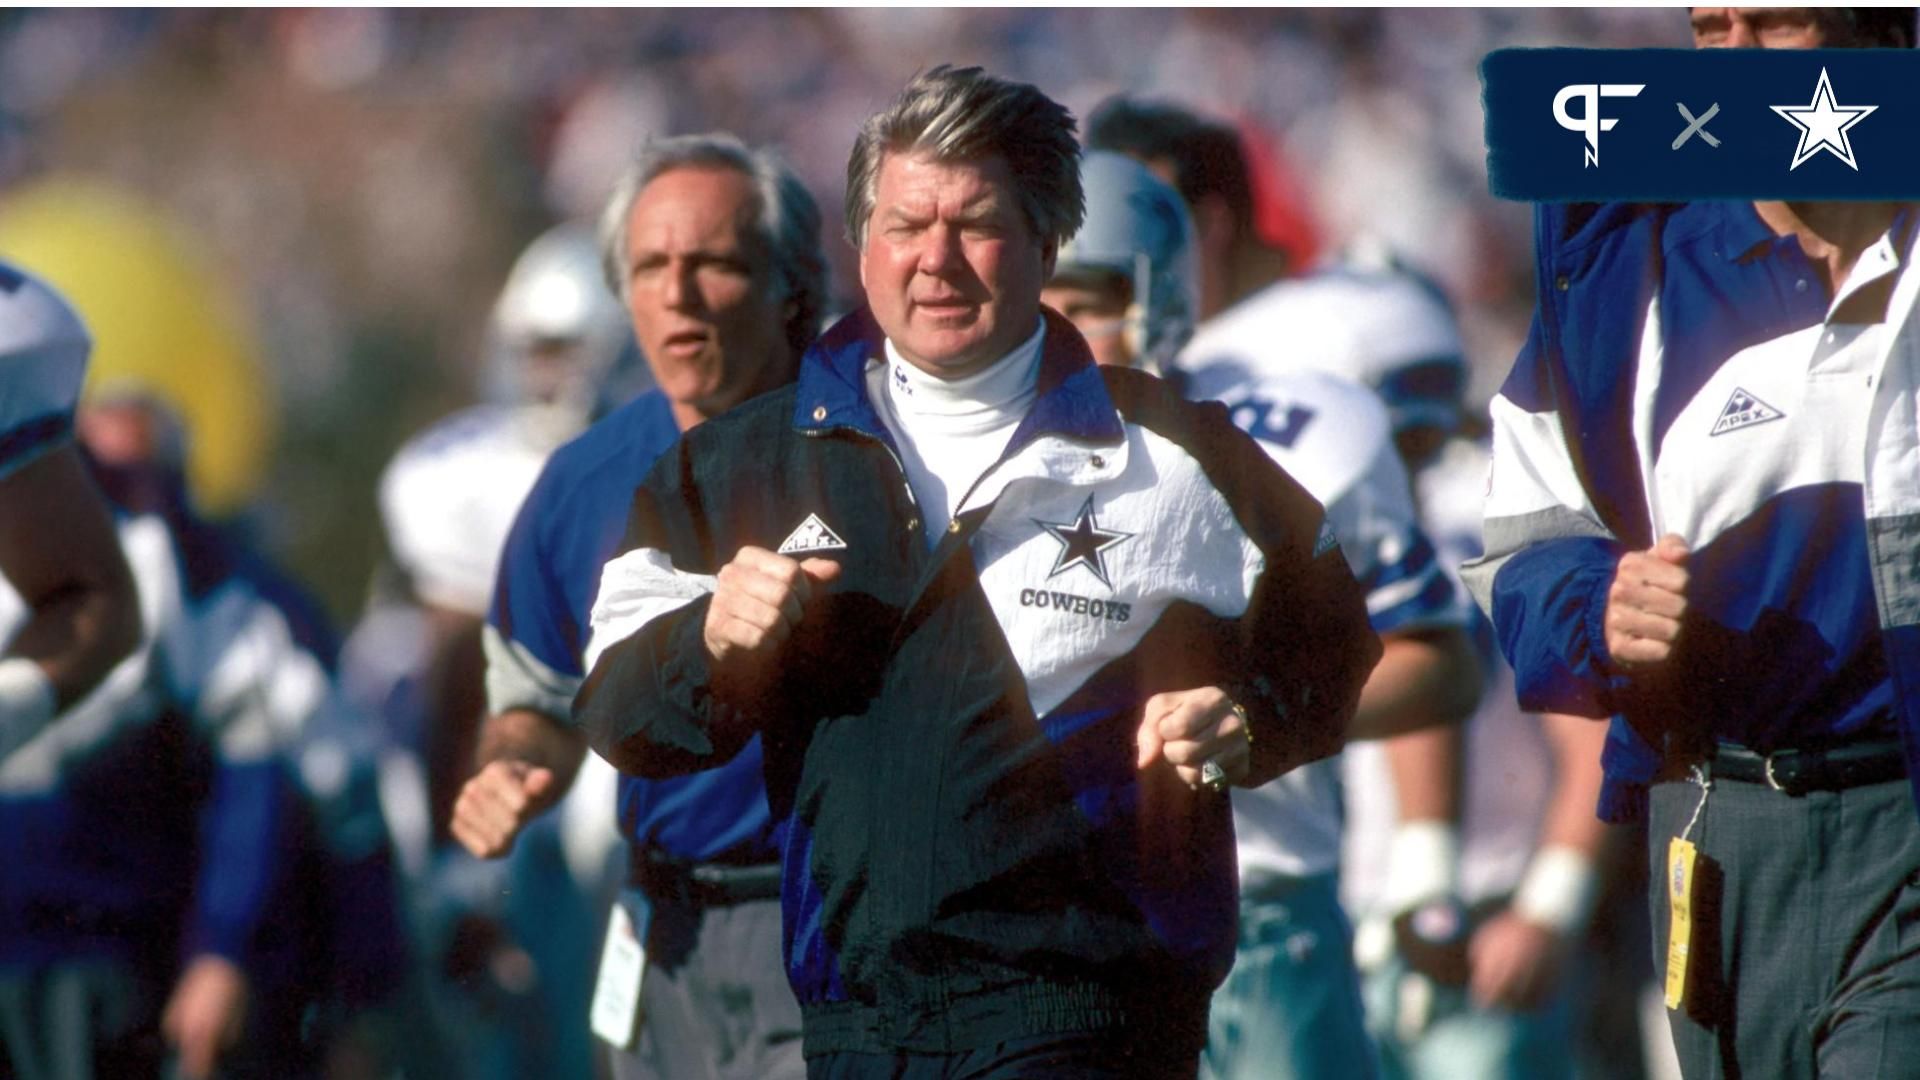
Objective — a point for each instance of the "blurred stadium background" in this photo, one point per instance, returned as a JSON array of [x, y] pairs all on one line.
[[294, 222]]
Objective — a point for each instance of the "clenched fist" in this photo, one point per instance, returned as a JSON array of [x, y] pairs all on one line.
[[759, 598], [1645, 603], [1189, 728], [498, 802]]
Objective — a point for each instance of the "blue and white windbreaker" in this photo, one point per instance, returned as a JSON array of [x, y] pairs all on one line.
[[1688, 371], [148, 822]]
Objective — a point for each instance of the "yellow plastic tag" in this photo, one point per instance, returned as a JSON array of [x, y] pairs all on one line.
[[1680, 856]]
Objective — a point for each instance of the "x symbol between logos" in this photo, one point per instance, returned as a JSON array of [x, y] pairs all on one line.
[[1696, 127]]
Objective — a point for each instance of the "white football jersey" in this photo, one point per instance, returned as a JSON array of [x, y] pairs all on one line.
[[1359, 326], [1332, 436], [1291, 362], [448, 500]]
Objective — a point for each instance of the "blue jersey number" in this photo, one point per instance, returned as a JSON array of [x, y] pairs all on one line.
[[1268, 422]]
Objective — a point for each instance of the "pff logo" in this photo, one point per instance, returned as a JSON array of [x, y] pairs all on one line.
[[1590, 123]]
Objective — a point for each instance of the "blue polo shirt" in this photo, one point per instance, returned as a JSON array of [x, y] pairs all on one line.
[[569, 527]]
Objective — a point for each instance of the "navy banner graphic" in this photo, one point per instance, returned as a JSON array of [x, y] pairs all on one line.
[[1676, 124]]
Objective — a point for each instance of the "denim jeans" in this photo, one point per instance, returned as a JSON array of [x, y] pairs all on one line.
[[1291, 1006]]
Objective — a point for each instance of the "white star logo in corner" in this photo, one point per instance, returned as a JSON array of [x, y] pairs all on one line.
[[1823, 125]]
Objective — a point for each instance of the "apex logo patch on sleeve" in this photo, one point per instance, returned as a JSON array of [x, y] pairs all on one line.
[[1325, 541]]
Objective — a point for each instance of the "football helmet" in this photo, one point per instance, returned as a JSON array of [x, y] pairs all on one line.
[[557, 336], [1137, 227], [43, 348]]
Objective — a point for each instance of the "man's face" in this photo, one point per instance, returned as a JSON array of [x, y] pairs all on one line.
[[951, 270], [118, 433], [1768, 28], [129, 442], [707, 307], [1097, 307]]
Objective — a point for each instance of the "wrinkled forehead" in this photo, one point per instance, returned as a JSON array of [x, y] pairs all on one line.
[[710, 204], [1800, 27], [917, 174]]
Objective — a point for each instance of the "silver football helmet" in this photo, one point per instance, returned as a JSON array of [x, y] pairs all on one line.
[[556, 334], [1138, 227]]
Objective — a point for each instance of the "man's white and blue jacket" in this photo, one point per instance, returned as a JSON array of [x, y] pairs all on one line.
[[970, 853], [1689, 371]]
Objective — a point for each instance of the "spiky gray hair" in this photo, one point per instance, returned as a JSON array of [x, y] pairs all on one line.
[[964, 114]]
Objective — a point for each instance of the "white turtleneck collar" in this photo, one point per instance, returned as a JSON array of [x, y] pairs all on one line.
[[950, 431], [985, 394]]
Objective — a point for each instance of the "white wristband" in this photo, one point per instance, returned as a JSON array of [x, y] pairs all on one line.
[[1372, 944], [1423, 864], [26, 702], [1557, 892]]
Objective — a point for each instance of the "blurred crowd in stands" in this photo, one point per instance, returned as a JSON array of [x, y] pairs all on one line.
[[358, 180], [291, 227]]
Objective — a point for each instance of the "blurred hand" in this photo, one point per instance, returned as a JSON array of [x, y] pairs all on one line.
[[1515, 964], [758, 600], [497, 802], [204, 1016], [1435, 940], [1646, 602], [1188, 728]]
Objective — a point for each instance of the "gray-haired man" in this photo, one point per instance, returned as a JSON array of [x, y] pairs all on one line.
[[715, 248], [1007, 623]]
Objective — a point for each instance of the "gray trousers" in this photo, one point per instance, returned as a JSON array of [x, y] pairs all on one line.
[[715, 1003], [1806, 937], [77, 1021]]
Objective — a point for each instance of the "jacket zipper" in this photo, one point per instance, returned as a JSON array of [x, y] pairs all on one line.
[[916, 543], [919, 519]]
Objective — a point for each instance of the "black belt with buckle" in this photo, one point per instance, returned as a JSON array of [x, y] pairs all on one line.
[[704, 884], [1797, 772]]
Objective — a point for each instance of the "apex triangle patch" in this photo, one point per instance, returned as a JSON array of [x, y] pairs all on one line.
[[1744, 410], [812, 535], [1325, 541]]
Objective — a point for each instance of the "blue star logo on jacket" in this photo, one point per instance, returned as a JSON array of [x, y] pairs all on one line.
[[1082, 543]]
